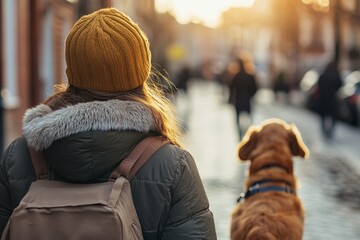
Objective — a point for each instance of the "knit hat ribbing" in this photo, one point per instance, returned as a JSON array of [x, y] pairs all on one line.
[[107, 52]]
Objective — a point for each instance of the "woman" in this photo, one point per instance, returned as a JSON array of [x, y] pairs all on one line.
[[242, 89], [88, 127], [328, 85]]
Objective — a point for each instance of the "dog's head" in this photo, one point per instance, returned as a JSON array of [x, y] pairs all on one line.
[[272, 131]]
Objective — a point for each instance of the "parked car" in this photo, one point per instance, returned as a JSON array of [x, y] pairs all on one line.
[[308, 86], [348, 95], [349, 99]]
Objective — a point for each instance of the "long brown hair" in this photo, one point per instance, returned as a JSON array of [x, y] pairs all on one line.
[[150, 93]]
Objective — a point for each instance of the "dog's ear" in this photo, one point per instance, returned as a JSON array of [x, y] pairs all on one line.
[[297, 146], [247, 144]]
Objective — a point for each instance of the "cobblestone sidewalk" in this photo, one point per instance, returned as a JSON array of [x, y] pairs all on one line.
[[328, 188]]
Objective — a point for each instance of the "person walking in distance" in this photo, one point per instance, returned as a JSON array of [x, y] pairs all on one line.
[[242, 89], [328, 84], [110, 103]]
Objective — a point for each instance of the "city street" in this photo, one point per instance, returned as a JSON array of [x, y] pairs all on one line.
[[311, 44], [328, 179]]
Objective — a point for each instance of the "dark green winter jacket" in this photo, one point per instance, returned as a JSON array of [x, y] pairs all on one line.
[[85, 142]]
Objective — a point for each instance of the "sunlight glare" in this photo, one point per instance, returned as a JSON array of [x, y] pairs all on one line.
[[205, 11]]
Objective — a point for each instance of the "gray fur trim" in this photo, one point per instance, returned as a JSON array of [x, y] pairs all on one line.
[[42, 126]]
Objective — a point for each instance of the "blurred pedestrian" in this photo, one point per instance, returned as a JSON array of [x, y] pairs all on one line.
[[183, 78], [183, 105], [328, 84], [281, 87], [226, 77], [242, 89], [87, 127]]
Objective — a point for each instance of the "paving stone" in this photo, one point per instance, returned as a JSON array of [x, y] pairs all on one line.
[[329, 179]]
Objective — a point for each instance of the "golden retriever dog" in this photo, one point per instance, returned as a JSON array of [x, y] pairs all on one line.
[[270, 208]]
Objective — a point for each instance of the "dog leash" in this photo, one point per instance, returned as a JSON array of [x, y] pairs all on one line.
[[256, 188]]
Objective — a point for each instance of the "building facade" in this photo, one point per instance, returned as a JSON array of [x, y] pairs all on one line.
[[33, 32]]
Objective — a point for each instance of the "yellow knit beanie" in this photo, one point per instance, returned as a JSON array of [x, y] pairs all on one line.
[[107, 52]]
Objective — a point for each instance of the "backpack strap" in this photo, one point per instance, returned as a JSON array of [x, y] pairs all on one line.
[[39, 163], [129, 166]]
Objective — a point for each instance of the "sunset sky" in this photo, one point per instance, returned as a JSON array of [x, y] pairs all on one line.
[[206, 11]]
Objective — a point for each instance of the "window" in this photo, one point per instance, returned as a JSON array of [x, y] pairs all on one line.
[[10, 88]]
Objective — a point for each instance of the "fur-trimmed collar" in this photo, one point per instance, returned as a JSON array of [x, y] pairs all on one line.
[[42, 126]]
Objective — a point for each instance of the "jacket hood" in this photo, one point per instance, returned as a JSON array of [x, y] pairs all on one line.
[[86, 141], [42, 126]]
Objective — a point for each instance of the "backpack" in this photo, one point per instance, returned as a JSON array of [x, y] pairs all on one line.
[[56, 210]]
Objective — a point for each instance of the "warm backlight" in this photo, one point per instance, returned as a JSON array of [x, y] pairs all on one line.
[[207, 12]]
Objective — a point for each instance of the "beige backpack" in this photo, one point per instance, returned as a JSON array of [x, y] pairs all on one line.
[[55, 210]]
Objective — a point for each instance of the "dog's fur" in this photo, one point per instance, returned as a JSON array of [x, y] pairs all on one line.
[[271, 214]]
